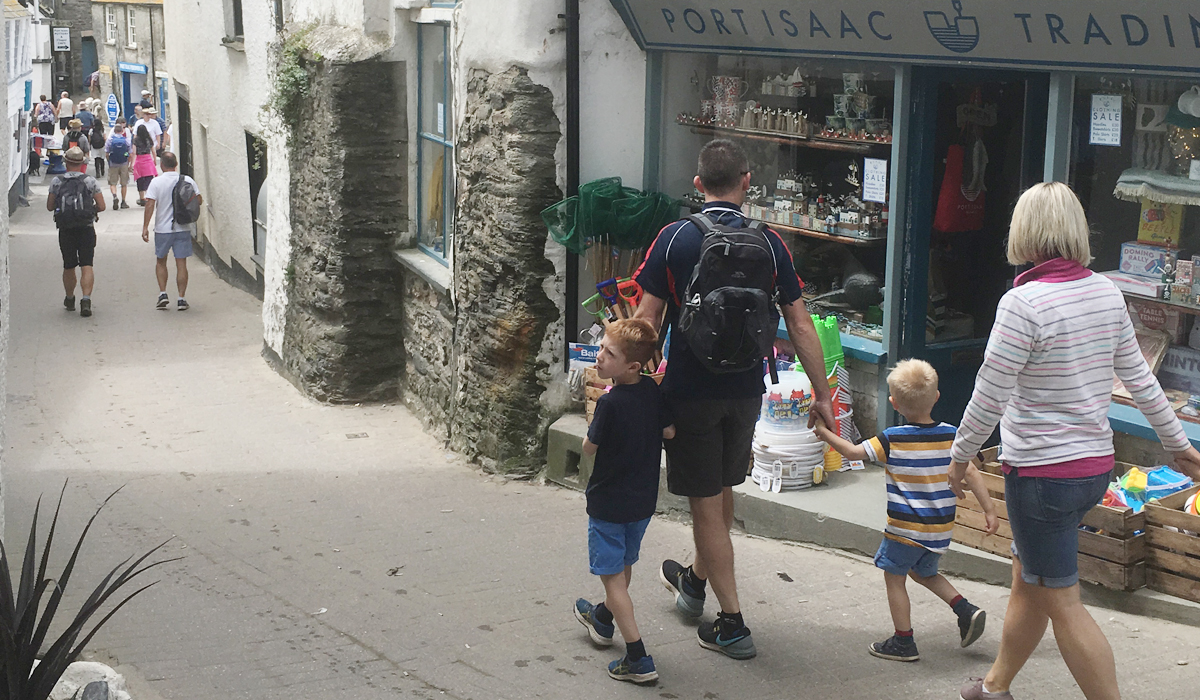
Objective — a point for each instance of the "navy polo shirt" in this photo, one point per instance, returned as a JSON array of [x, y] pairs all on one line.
[[666, 272], [627, 427]]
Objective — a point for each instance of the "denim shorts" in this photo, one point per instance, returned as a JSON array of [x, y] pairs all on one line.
[[1045, 514], [177, 242], [614, 546], [899, 558]]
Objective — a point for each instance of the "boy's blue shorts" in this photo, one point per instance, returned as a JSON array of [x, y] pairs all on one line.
[[614, 546], [899, 558]]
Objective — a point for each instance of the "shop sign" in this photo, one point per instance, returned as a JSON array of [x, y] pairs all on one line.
[[112, 107], [62, 38], [1106, 120], [874, 180], [131, 67], [1160, 35]]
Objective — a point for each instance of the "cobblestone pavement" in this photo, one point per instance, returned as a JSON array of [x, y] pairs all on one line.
[[341, 552]]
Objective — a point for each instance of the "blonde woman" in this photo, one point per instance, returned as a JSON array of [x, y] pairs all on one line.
[[1061, 333]]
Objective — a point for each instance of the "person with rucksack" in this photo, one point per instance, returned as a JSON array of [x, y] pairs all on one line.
[[76, 200], [76, 137], [721, 280], [117, 148], [172, 206], [45, 116], [96, 140], [65, 111]]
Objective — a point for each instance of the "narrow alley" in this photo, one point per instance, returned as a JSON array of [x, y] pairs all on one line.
[[339, 551]]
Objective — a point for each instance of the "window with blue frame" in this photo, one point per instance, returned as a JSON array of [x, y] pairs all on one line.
[[435, 143]]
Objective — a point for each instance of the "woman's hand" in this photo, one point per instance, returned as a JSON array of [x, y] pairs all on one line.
[[1188, 462], [958, 477]]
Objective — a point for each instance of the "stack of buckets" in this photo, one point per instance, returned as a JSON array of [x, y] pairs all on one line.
[[839, 386], [787, 454]]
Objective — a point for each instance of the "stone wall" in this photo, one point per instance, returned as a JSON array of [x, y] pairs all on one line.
[[342, 338], [505, 176], [427, 380], [69, 65]]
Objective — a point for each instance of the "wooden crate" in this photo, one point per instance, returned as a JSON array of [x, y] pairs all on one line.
[[594, 387], [1113, 558], [1173, 558]]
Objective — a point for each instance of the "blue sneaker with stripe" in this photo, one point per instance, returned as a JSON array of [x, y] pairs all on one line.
[[640, 671], [600, 633]]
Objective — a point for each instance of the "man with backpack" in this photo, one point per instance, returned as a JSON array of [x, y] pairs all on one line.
[[719, 277], [117, 148], [172, 206], [76, 199]]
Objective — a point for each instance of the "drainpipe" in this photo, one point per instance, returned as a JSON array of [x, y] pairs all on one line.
[[571, 322]]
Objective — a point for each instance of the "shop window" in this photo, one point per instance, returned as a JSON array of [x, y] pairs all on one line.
[[131, 27], [1136, 168], [110, 24], [815, 132], [435, 156]]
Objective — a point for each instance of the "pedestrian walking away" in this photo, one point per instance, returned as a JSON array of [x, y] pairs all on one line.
[[920, 506], [144, 169], [76, 200], [172, 206], [117, 148], [714, 408], [65, 111], [626, 436], [46, 114], [96, 141], [77, 137], [1051, 400], [85, 116]]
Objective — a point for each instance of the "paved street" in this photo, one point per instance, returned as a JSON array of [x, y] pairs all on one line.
[[341, 552]]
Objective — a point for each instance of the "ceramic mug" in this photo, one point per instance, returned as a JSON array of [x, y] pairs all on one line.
[[708, 109], [835, 122], [1189, 102], [729, 88], [841, 105], [853, 82], [864, 105]]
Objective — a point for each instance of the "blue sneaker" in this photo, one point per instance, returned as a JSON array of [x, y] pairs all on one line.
[[600, 633], [738, 645], [640, 671], [686, 601]]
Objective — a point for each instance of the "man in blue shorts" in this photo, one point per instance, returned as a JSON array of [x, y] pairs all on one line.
[[715, 413], [169, 235]]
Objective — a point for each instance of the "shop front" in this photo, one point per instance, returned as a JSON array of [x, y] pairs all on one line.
[[890, 141]]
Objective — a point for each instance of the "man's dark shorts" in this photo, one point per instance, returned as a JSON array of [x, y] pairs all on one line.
[[78, 246], [711, 449]]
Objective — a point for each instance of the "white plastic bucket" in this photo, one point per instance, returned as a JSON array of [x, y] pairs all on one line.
[[786, 404]]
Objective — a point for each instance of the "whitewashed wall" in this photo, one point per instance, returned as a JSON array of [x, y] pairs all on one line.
[[228, 90], [5, 297], [19, 40]]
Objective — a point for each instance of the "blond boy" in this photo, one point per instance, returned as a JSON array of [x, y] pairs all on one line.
[[921, 505]]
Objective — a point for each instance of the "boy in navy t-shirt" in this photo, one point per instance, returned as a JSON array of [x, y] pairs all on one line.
[[626, 435]]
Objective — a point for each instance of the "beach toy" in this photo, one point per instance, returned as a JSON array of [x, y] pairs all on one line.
[[1134, 481], [1192, 507], [1114, 497], [1164, 481], [786, 404]]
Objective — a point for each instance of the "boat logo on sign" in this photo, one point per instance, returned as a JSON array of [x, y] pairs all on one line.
[[960, 35]]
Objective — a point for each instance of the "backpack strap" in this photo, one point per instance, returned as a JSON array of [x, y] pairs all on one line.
[[702, 222]]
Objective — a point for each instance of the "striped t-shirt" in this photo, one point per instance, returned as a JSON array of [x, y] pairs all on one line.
[[920, 506]]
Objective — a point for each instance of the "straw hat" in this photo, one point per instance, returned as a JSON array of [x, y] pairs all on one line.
[[75, 156], [74, 124], [150, 110]]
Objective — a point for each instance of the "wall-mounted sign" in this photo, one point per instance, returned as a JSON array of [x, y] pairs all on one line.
[[1106, 120], [1158, 35], [62, 38], [113, 107], [875, 180], [131, 67]]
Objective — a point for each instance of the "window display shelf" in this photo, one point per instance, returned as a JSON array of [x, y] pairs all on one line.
[[1186, 308], [821, 235], [821, 142]]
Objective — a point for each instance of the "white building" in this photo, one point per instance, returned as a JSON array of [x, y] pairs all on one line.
[[19, 43]]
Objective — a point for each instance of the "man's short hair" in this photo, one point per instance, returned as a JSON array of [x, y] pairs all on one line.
[[635, 337], [722, 165], [120, 120], [169, 160], [913, 385]]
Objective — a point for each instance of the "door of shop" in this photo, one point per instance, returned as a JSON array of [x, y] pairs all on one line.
[[977, 140]]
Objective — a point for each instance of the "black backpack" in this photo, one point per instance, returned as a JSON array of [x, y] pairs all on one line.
[[726, 314], [185, 201], [74, 205]]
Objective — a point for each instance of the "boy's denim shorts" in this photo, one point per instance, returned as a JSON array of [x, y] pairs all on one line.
[[614, 546], [899, 558], [1045, 514]]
